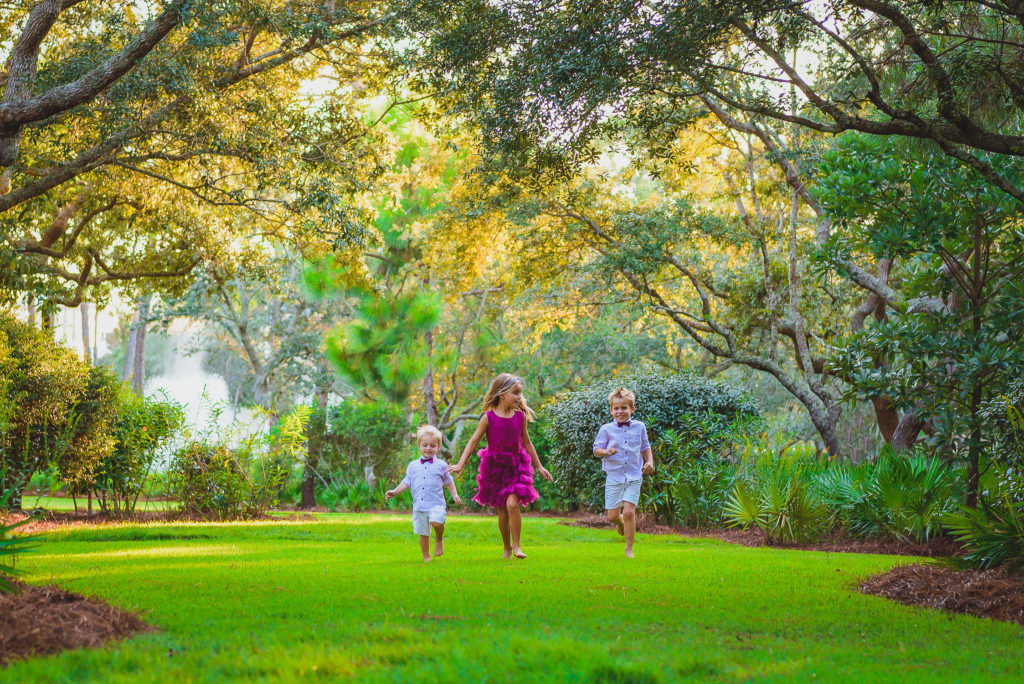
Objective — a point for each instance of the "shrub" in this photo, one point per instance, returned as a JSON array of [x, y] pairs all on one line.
[[41, 382], [367, 439], [213, 481], [684, 403], [92, 437], [143, 427], [11, 546], [773, 491], [895, 494], [993, 533], [1006, 416]]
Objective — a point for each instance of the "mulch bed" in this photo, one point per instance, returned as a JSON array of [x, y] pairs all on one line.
[[837, 542], [40, 620], [995, 594]]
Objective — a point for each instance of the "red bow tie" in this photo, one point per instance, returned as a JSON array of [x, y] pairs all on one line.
[[427, 460], [626, 424]]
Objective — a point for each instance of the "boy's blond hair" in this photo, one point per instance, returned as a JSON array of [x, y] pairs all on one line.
[[624, 394], [429, 431]]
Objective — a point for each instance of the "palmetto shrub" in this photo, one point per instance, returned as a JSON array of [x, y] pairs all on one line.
[[993, 533], [774, 493], [905, 496]]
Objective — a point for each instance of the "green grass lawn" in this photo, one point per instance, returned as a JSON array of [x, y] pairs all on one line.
[[347, 596], [64, 504]]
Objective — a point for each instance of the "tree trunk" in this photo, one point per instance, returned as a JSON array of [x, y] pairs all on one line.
[[314, 449], [32, 310], [906, 433], [429, 400], [129, 354], [139, 356], [86, 347]]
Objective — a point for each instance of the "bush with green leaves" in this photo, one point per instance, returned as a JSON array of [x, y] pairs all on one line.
[[902, 495], [213, 481], [363, 438], [774, 491], [12, 546], [41, 382], [143, 428], [1006, 415], [992, 533], [684, 403]]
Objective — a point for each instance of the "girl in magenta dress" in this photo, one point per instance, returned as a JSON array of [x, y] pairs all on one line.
[[509, 461]]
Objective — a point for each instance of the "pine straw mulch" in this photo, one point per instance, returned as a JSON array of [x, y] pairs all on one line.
[[836, 542], [36, 621], [995, 594]]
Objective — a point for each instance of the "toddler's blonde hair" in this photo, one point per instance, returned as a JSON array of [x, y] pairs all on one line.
[[429, 431], [502, 384], [624, 394]]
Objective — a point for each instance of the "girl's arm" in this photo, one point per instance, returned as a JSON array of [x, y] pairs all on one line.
[[395, 492], [528, 443], [481, 428]]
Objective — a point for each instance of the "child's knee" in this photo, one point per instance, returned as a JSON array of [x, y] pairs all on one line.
[[628, 513], [613, 514], [438, 527], [512, 503]]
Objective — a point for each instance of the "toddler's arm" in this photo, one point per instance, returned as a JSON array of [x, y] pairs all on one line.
[[396, 491], [454, 492]]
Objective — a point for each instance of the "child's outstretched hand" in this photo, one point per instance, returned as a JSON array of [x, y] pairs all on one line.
[[389, 494], [545, 474], [456, 500], [648, 469], [455, 470]]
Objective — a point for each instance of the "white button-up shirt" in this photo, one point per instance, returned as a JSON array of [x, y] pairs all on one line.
[[631, 441], [426, 481]]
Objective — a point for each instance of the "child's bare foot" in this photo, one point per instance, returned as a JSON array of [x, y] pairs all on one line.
[[506, 554], [518, 553], [438, 547], [629, 553], [426, 559]]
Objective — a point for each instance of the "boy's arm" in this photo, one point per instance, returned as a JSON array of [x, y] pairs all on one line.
[[454, 492], [645, 451], [396, 491], [648, 467], [601, 444]]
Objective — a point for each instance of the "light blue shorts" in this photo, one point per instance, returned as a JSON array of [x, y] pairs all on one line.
[[421, 519], [617, 493]]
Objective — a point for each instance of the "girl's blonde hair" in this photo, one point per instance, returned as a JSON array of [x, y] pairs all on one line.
[[502, 384], [429, 431]]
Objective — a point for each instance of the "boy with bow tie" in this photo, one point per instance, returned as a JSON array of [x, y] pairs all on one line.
[[427, 476], [622, 444]]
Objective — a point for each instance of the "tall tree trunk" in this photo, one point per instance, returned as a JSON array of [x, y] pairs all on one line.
[[129, 355], [86, 347], [314, 450], [429, 400], [139, 356]]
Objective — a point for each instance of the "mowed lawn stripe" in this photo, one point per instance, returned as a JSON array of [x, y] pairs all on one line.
[[347, 596]]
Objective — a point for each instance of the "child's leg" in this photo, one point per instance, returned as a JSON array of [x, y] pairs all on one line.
[[438, 538], [629, 525], [503, 528], [615, 519], [425, 546], [515, 524]]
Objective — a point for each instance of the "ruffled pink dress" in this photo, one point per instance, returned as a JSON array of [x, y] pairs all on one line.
[[505, 465]]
